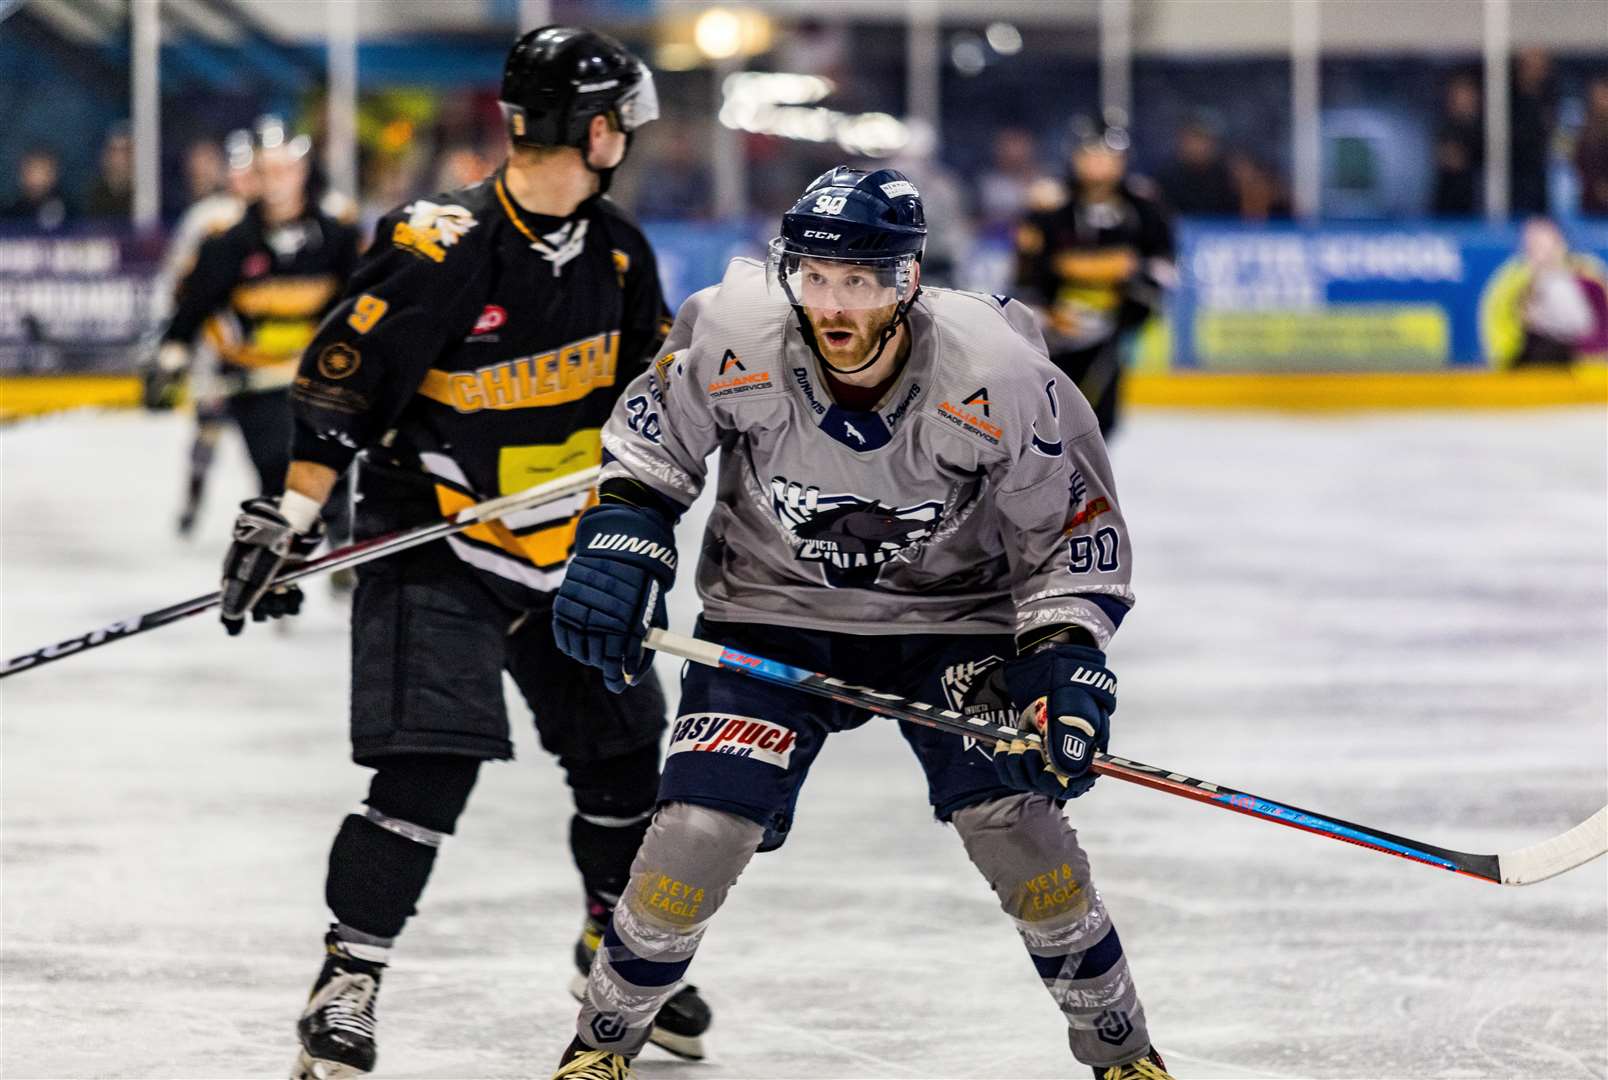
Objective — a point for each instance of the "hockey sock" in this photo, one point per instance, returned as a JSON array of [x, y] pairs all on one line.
[[383, 854], [1027, 851], [689, 861], [614, 800]]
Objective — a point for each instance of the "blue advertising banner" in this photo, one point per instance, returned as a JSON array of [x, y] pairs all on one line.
[[1376, 298]]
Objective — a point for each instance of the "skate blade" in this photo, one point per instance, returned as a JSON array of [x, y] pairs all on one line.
[[310, 1068], [686, 1047]]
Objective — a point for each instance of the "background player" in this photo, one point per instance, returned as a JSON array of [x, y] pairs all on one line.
[[209, 216], [257, 293], [477, 351], [1096, 265], [909, 497]]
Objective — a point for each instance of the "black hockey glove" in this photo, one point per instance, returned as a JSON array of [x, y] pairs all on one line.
[[1065, 694], [624, 562], [264, 544]]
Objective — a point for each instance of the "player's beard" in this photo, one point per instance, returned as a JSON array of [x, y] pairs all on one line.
[[863, 330]]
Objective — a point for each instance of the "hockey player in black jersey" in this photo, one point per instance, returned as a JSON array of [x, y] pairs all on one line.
[[1096, 266], [477, 350], [256, 295]]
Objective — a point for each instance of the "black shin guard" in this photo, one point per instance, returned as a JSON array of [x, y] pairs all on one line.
[[382, 856], [614, 800]]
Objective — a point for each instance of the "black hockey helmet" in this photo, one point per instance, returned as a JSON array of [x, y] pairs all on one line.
[[557, 78], [850, 216]]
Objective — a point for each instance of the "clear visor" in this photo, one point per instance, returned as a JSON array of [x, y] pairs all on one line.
[[840, 284], [640, 103]]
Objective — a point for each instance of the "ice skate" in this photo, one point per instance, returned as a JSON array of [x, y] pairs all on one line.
[[1149, 1067], [682, 1020], [337, 1027], [581, 1062]]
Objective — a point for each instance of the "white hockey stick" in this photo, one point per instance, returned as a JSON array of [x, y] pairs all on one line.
[[361, 552], [1578, 846]]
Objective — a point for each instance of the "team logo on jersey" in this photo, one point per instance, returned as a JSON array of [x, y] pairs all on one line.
[[976, 688], [730, 361], [978, 399], [338, 361], [622, 263], [736, 736], [431, 228], [661, 367], [852, 537]]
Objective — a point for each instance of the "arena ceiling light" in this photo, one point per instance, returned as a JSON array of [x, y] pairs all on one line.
[[723, 33], [782, 104]]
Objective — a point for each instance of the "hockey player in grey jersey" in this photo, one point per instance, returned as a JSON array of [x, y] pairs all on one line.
[[910, 497]]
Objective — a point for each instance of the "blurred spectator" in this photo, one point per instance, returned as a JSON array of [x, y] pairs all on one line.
[[1534, 114], [1562, 309], [943, 197], [204, 170], [1263, 195], [1002, 190], [681, 183], [39, 202], [459, 167], [1591, 151], [1198, 182], [1459, 151], [112, 194]]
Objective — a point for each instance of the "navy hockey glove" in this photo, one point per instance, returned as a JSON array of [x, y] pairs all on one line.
[[623, 563], [264, 544], [1066, 694]]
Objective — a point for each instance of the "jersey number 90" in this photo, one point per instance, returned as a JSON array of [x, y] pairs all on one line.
[[1098, 552]]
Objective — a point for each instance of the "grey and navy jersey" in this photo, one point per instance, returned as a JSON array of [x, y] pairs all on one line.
[[977, 498]]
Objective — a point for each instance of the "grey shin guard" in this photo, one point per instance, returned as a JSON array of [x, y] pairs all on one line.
[[1032, 859], [688, 862]]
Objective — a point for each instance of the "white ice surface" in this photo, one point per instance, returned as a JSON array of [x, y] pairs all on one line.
[[1398, 620]]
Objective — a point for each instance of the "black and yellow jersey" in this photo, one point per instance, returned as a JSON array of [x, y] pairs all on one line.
[[1085, 312], [478, 350], [257, 291]]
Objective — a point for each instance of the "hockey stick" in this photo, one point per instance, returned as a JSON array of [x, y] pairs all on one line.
[[364, 551], [1524, 866]]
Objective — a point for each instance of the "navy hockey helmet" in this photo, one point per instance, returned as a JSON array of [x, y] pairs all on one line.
[[557, 78], [850, 213], [851, 217]]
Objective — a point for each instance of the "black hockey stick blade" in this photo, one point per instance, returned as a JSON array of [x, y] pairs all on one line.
[[361, 552], [1525, 866]]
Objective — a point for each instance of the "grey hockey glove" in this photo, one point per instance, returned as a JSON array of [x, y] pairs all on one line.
[[265, 543], [1066, 694], [623, 563]]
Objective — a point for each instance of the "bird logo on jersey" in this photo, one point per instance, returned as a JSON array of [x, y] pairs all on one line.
[[431, 228], [976, 689], [852, 537]]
